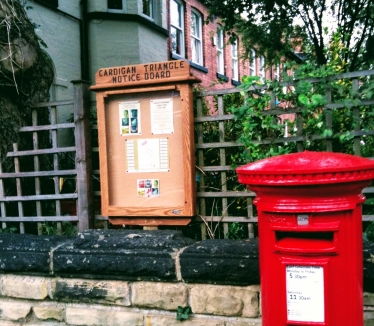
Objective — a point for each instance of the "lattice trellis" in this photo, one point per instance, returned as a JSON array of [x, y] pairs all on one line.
[[209, 196], [32, 191]]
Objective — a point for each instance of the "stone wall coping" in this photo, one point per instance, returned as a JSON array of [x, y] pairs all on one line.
[[135, 255]]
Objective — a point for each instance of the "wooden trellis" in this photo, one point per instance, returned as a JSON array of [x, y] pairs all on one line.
[[226, 196], [218, 194], [45, 205]]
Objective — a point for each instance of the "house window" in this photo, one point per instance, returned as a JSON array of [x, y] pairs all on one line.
[[234, 61], [262, 68], [252, 63], [116, 5], [196, 38], [220, 55], [177, 27], [148, 8]]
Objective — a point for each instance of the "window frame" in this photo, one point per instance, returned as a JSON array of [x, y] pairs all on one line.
[[197, 40], [151, 7], [277, 74], [181, 13], [234, 61], [252, 63], [117, 10], [261, 71], [220, 51]]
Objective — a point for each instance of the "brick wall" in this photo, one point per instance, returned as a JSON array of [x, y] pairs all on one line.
[[209, 78]]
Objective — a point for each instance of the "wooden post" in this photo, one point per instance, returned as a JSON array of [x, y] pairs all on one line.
[[356, 121], [83, 158], [200, 153], [328, 113], [222, 155]]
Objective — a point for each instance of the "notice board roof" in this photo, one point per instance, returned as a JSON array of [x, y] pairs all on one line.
[[143, 74]]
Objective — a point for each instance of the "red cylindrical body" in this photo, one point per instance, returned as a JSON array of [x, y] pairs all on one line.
[[310, 236]]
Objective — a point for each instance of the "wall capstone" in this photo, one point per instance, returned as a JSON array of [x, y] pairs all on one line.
[[135, 277]]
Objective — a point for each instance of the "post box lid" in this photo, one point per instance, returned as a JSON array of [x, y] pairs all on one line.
[[307, 168]]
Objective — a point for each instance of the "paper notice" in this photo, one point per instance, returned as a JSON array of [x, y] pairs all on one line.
[[305, 293]]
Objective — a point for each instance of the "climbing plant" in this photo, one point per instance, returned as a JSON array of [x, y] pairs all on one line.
[[303, 92], [26, 72], [309, 110]]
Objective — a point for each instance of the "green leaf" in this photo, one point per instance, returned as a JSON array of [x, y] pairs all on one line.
[[317, 99], [183, 313], [250, 79], [327, 133], [303, 99]]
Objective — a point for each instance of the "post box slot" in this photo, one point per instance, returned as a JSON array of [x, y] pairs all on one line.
[[328, 236], [306, 242]]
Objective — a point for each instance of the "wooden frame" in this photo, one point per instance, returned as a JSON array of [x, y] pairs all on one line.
[[119, 186]]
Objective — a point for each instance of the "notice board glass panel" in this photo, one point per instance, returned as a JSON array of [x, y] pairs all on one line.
[[145, 169]]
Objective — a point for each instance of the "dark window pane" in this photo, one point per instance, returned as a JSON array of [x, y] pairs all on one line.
[[52, 3], [115, 4], [147, 7]]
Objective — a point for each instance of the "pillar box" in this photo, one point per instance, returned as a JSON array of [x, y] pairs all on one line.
[[310, 236]]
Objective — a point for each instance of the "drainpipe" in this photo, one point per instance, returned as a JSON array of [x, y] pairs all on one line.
[[84, 42]]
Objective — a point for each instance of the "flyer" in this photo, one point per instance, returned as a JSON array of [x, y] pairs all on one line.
[[147, 155], [162, 116], [129, 118], [148, 187]]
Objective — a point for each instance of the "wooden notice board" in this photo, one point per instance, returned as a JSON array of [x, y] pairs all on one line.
[[146, 145]]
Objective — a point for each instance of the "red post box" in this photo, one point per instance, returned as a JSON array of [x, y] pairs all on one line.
[[310, 236]]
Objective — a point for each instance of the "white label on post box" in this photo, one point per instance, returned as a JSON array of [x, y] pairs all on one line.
[[302, 219], [305, 293]]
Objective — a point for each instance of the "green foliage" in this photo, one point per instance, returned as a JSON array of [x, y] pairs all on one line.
[[8, 230], [257, 127], [21, 84], [212, 181], [52, 228], [368, 208], [306, 92], [369, 232], [278, 28], [183, 313], [236, 231], [265, 133]]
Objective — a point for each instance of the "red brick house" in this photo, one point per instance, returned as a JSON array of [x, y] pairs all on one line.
[[207, 49]]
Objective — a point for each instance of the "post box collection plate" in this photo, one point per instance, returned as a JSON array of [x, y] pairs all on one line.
[[305, 293]]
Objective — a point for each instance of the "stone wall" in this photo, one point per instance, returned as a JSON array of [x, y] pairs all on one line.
[[34, 300], [131, 278]]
